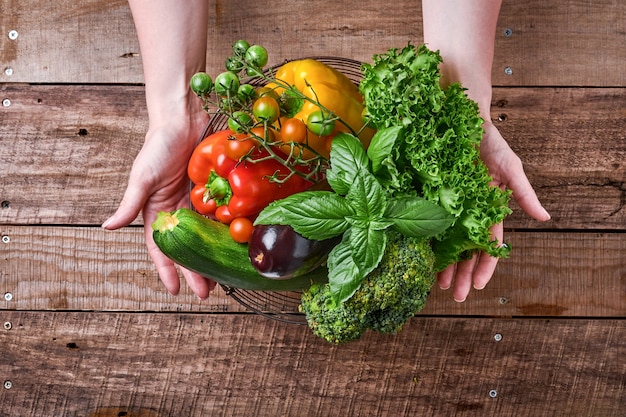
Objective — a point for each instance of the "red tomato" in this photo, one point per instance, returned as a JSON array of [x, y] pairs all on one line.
[[239, 146], [223, 215], [241, 229], [206, 208]]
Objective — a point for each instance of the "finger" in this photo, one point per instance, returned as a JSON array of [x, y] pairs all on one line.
[[463, 279], [445, 277], [200, 285], [525, 195], [168, 273], [132, 202], [486, 265]]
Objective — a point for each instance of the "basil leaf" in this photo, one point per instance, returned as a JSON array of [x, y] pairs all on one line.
[[316, 215], [348, 158], [344, 277], [382, 143], [417, 217], [368, 246], [367, 197]]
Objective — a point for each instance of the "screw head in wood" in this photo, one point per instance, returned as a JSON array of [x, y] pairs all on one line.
[[8, 384], [6, 102], [497, 337], [493, 393], [13, 35], [8, 325], [8, 296], [8, 71], [6, 239], [508, 71], [507, 32]]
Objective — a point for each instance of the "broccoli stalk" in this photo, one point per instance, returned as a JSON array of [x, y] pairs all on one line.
[[388, 297]]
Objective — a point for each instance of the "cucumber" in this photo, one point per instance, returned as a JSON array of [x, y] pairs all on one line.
[[204, 246]]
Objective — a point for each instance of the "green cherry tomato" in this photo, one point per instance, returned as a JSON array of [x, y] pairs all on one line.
[[366, 118], [201, 83], [246, 93], [266, 109], [240, 121], [266, 91], [226, 84], [240, 47], [320, 123], [233, 64], [256, 55]]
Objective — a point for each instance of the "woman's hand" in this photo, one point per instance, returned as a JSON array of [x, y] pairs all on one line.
[[507, 171], [158, 182]]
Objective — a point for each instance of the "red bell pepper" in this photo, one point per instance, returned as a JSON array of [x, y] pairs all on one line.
[[244, 186]]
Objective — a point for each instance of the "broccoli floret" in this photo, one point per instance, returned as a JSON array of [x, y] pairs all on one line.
[[388, 297]]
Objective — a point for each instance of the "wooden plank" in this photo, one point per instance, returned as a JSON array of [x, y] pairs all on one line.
[[568, 42], [86, 41], [86, 268], [234, 365], [82, 138], [573, 145], [71, 149]]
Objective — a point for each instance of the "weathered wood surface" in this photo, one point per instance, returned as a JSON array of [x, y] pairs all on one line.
[[90, 331], [86, 268], [568, 42], [236, 365], [84, 138]]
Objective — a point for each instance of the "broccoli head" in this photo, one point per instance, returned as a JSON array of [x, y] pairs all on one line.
[[387, 298]]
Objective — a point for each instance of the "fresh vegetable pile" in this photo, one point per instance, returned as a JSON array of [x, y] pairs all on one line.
[[357, 196]]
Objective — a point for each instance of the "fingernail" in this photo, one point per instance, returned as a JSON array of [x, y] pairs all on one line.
[[444, 288], [479, 288], [107, 222], [459, 301], [547, 215]]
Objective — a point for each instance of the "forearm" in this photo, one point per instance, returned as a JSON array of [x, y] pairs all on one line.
[[173, 40], [464, 33]]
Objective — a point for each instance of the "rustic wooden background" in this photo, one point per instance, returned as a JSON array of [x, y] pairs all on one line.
[[90, 331]]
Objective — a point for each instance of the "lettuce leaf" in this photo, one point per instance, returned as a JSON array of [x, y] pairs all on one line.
[[436, 150]]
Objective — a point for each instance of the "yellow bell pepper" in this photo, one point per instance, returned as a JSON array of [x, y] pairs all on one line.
[[333, 90]]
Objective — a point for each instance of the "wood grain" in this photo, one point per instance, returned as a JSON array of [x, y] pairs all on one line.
[[86, 268], [84, 138], [90, 41], [236, 365], [561, 43]]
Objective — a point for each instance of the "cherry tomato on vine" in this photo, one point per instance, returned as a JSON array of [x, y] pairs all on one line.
[[366, 118], [320, 123], [241, 229], [201, 83], [240, 47], [240, 121], [240, 145], [233, 64], [266, 91], [266, 109], [223, 215], [226, 84], [246, 93], [256, 55], [293, 130]]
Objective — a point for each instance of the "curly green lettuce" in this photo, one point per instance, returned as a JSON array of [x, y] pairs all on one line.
[[435, 149]]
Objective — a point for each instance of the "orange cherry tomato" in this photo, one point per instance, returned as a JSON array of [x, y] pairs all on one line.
[[241, 229], [293, 130]]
